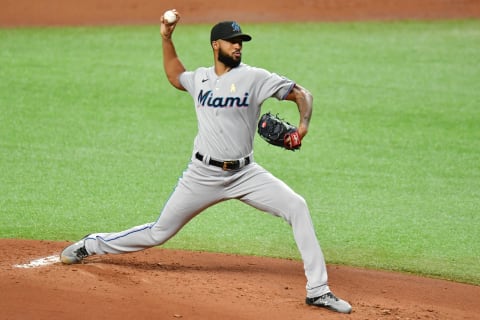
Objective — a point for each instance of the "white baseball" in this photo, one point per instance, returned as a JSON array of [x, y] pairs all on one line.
[[169, 16]]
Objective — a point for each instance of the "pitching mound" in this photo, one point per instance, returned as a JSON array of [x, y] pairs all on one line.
[[168, 284]]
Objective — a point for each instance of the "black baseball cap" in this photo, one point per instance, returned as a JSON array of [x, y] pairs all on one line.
[[227, 30]]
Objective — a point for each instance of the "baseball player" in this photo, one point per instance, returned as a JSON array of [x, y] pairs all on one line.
[[227, 97]]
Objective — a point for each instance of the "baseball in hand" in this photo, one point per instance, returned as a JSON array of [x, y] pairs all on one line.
[[169, 16]]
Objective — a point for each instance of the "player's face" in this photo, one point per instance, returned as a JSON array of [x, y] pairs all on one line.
[[230, 52]]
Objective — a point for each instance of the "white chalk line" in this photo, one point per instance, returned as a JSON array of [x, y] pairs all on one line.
[[41, 262]]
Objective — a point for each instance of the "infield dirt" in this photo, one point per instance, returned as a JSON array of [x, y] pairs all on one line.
[[169, 284]]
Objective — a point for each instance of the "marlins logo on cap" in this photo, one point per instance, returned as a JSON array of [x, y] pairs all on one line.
[[227, 30]]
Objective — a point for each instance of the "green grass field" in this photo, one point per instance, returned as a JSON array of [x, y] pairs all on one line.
[[93, 139]]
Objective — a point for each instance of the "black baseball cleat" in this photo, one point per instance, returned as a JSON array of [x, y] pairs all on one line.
[[329, 301], [74, 253]]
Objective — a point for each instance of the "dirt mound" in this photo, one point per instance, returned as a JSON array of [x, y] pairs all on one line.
[[170, 284]]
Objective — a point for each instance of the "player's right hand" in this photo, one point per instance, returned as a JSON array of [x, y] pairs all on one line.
[[166, 29]]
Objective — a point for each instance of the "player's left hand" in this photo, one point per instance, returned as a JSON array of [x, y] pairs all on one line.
[[292, 140], [278, 132]]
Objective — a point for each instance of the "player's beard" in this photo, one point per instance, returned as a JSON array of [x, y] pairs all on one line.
[[227, 60]]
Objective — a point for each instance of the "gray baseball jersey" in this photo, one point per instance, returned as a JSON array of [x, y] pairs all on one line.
[[227, 108]]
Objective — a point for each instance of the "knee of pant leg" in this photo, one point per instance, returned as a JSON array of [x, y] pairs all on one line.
[[298, 204], [296, 208], [160, 233]]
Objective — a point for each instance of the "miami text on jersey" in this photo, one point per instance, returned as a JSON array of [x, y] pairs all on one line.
[[208, 100]]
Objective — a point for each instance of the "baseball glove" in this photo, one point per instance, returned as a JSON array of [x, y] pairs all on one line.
[[278, 132]]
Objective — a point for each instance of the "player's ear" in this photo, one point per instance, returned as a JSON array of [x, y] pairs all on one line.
[[215, 44]]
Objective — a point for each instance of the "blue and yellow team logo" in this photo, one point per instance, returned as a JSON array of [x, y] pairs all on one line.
[[236, 27]]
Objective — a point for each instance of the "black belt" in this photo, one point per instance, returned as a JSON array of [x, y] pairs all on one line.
[[225, 165]]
